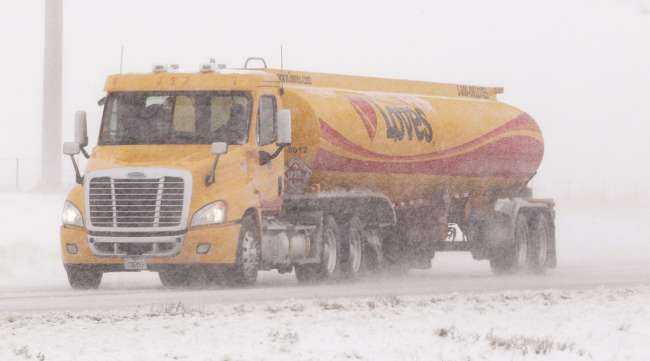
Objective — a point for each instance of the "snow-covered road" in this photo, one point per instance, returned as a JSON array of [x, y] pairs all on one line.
[[143, 290]]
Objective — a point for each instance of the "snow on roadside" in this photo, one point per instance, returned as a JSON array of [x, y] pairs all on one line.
[[29, 240], [597, 324]]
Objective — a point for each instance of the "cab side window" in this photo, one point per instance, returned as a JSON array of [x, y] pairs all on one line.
[[266, 121]]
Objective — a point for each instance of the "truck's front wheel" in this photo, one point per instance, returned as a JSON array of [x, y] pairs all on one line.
[[176, 277], [248, 255], [82, 277]]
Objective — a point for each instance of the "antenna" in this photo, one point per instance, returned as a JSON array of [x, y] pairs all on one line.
[[121, 59], [281, 70]]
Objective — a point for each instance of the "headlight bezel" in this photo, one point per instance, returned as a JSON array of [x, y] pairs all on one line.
[[210, 214], [71, 215]]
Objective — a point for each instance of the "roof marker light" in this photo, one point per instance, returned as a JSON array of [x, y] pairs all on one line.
[[159, 68], [207, 68], [162, 68]]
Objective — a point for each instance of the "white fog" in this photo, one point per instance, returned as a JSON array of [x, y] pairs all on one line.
[[580, 68]]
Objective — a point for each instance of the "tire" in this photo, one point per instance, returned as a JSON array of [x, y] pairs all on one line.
[[248, 255], [540, 243], [83, 277], [307, 273], [177, 277], [330, 266], [215, 276], [394, 258], [373, 254], [353, 246], [515, 258]]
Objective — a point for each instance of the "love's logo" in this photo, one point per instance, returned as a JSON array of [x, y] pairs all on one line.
[[367, 114]]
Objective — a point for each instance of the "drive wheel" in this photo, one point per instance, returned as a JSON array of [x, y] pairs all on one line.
[[176, 277], [83, 277], [354, 246], [330, 266], [331, 260], [540, 240], [248, 255], [513, 259]]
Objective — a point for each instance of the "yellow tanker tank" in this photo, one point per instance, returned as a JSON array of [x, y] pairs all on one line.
[[405, 138]]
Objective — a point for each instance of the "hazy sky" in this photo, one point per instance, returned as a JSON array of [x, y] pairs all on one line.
[[581, 68]]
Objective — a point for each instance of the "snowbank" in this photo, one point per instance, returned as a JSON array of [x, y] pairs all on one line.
[[600, 324], [29, 240]]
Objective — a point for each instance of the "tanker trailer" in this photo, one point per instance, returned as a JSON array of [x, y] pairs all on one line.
[[214, 175], [395, 168]]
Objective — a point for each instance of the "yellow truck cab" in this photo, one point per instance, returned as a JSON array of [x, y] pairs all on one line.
[[211, 176]]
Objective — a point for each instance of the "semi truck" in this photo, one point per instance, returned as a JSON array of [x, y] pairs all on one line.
[[214, 175]]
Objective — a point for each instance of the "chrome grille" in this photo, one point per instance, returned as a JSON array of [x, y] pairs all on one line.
[[135, 203]]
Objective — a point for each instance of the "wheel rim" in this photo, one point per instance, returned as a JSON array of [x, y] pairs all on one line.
[[355, 252], [329, 251]]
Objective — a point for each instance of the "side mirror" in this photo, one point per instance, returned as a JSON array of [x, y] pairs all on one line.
[[219, 148], [284, 127], [80, 129], [71, 148]]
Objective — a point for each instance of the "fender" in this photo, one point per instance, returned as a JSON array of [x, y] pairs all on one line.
[[500, 231], [496, 228], [374, 209]]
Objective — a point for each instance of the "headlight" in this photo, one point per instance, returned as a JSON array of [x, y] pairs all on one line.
[[213, 213], [71, 215]]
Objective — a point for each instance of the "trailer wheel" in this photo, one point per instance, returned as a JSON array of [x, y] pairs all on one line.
[[330, 266], [353, 247], [83, 277], [540, 241], [515, 258], [248, 255], [176, 277], [373, 254]]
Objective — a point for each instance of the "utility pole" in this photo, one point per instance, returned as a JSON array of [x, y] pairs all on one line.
[[52, 89]]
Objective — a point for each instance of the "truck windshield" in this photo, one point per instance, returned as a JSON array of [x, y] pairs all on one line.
[[176, 118]]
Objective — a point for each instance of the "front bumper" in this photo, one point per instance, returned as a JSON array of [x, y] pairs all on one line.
[[222, 239]]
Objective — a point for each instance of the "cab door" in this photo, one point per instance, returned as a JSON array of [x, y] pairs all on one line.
[[268, 177]]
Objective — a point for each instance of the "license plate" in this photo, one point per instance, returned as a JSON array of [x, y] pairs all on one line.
[[135, 264]]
